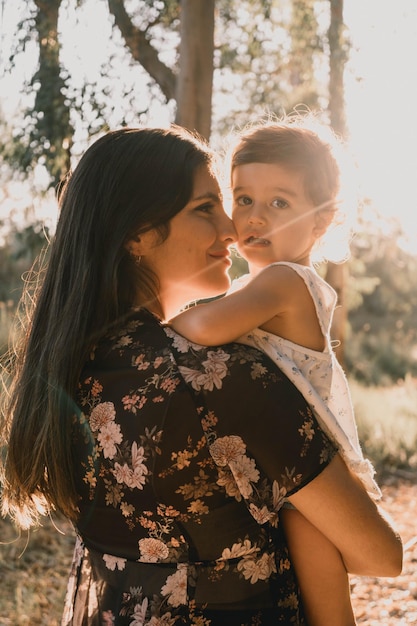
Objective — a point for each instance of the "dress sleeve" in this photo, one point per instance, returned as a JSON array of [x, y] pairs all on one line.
[[262, 435]]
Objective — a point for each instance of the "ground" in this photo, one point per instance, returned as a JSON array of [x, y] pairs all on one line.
[[393, 601], [33, 570]]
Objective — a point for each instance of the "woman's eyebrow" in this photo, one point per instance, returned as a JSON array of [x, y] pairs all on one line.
[[207, 196]]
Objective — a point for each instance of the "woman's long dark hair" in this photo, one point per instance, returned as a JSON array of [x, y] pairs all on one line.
[[127, 182]]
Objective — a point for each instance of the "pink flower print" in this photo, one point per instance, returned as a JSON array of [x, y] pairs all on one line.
[[245, 473], [96, 388], [122, 473], [113, 562], [140, 363], [101, 415], [257, 569], [109, 436], [152, 550], [158, 361], [139, 614], [135, 476], [133, 403], [169, 384], [215, 369], [176, 586], [227, 449]]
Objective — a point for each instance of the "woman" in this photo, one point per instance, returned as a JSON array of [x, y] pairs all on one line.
[[171, 459]]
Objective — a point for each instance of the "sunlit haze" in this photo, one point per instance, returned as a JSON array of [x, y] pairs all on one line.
[[379, 89], [381, 108]]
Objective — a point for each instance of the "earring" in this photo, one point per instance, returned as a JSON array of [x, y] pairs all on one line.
[[136, 258]]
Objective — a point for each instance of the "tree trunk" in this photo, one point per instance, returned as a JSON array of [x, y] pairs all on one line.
[[337, 67], [336, 274], [195, 79], [53, 129]]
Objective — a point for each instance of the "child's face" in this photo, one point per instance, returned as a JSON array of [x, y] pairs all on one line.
[[274, 219]]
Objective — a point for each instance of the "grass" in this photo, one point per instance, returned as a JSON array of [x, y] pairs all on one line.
[[7, 313], [34, 570], [387, 424]]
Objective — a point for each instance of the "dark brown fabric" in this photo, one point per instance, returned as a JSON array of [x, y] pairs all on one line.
[[183, 456]]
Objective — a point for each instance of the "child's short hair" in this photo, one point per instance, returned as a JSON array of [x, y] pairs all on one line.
[[302, 144], [297, 148]]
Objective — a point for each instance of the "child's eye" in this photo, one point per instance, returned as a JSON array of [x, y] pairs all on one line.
[[280, 203], [242, 201]]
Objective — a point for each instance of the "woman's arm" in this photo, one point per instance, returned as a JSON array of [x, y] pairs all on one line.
[[336, 503], [270, 293]]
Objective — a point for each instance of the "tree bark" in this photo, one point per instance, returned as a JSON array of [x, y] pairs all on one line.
[[337, 67], [53, 131], [195, 79]]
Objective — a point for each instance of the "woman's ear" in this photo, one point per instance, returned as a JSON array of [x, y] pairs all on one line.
[[141, 244]]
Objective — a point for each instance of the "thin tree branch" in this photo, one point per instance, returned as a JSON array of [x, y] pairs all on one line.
[[142, 50]]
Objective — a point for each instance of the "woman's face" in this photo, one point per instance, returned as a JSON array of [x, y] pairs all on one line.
[[192, 263]]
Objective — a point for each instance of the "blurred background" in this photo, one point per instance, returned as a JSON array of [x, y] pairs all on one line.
[[72, 69]]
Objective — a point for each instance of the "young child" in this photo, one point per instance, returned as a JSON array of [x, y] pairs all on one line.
[[285, 183]]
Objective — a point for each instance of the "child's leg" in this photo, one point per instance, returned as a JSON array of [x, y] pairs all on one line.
[[323, 580]]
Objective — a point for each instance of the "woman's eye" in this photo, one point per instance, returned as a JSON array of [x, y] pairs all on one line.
[[205, 208]]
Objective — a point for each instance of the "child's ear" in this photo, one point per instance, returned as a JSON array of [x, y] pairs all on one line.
[[323, 220]]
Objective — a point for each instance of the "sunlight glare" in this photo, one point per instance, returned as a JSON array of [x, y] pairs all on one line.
[[380, 106], [379, 89]]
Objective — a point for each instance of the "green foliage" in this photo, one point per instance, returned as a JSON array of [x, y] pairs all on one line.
[[262, 42], [381, 343], [387, 423], [239, 265], [163, 12], [17, 254], [45, 134], [273, 47]]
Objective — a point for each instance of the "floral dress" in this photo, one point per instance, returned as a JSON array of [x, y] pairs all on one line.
[[183, 456]]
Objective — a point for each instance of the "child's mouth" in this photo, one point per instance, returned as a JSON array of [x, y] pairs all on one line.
[[256, 241]]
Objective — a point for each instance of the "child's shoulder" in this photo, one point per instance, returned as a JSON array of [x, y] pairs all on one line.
[[288, 271], [308, 273], [287, 276]]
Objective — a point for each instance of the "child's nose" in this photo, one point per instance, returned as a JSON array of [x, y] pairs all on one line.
[[256, 215]]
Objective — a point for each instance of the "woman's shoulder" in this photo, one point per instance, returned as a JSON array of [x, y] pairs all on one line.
[[136, 331]]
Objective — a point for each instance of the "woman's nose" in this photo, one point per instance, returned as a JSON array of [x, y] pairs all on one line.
[[228, 230]]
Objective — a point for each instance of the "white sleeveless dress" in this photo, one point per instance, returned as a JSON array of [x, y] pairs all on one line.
[[318, 375]]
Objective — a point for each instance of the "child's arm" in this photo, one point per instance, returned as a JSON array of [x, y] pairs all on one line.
[[321, 573], [226, 319]]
